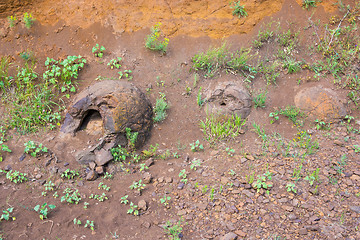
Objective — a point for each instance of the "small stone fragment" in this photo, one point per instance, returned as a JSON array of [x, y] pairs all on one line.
[[142, 205], [181, 185], [147, 177], [303, 231], [149, 162], [99, 170], [92, 165], [7, 168], [91, 176], [229, 236]]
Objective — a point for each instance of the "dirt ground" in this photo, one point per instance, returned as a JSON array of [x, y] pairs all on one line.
[[217, 199]]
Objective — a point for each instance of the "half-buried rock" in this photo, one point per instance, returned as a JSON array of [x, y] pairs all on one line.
[[229, 98], [319, 102], [120, 106]]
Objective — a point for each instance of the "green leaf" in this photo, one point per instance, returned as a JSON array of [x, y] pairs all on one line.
[[36, 208]]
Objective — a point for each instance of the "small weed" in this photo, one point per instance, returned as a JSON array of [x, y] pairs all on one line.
[[309, 3], [119, 153], [28, 20], [297, 173], [70, 174], [204, 189], [152, 41], [271, 71], [160, 109], [138, 186], [238, 10], [230, 151], [183, 176], [290, 187], [98, 51], [196, 146], [262, 134], [108, 175], [89, 224], [261, 183], [200, 101], [174, 231], [12, 21], [126, 74], [77, 221], [71, 196], [321, 125], [50, 186], [6, 215], [217, 127], [291, 65], [34, 149], [15, 176], [264, 36], [195, 163], [86, 204], [43, 210], [259, 100], [165, 200], [133, 209], [124, 199], [212, 194], [115, 63], [314, 177], [98, 197], [131, 137], [103, 186]]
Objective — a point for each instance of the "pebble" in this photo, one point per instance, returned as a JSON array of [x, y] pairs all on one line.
[[142, 205], [303, 231], [181, 185], [229, 236], [7, 168]]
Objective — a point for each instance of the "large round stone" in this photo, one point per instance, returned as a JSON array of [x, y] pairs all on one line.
[[229, 98], [120, 105], [320, 102]]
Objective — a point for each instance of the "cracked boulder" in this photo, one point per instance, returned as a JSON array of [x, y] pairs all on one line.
[[319, 102], [120, 105], [229, 98]]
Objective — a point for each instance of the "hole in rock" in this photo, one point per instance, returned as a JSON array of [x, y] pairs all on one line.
[[92, 123]]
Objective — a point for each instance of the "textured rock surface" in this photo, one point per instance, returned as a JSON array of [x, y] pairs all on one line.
[[229, 98], [319, 102]]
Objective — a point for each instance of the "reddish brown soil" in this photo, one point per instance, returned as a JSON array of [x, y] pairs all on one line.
[[74, 27]]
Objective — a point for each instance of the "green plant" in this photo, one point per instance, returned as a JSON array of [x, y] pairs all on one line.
[[309, 3], [98, 197], [15, 176], [261, 183], [356, 148], [89, 224], [291, 65], [98, 51], [77, 221], [124, 199], [238, 9], [230, 151], [70, 174], [103, 186], [5, 79], [290, 187], [119, 153], [6, 215], [108, 175], [115, 63], [219, 58], [34, 149], [264, 35], [28, 20], [304, 141], [127, 74], [195, 163], [138, 186], [173, 230], [48, 187], [196, 146], [152, 41], [131, 137], [212, 194], [160, 109], [183, 176], [321, 125], [259, 100], [313, 177], [271, 71], [218, 127], [43, 210], [86, 204], [297, 173], [12, 20], [71, 196], [262, 134], [3, 147], [133, 209], [165, 200], [292, 112], [199, 100]]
